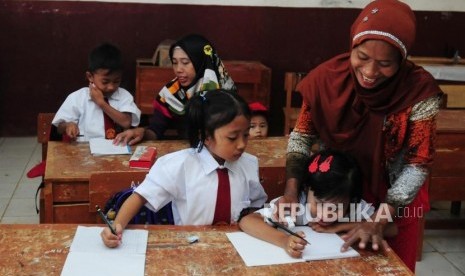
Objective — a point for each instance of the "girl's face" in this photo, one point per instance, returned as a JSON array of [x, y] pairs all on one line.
[[229, 141], [183, 67], [326, 212], [106, 82], [374, 61], [258, 126]]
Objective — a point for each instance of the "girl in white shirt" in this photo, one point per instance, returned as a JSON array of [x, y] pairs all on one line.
[[330, 201], [218, 130]]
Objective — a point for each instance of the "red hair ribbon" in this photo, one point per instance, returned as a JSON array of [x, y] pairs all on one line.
[[323, 167]]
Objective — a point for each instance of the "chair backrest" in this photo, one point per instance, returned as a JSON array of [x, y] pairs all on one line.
[[103, 185], [293, 99], [45, 130], [455, 95]]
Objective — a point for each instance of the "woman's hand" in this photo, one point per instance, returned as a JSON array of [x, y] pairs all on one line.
[[130, 136], [295, 246], [111, 240], [364, 233]]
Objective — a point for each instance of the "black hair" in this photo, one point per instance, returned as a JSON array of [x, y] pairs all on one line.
[[105, 56], [210, 110], [341, 180]]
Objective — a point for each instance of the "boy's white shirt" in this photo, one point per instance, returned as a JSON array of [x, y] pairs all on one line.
[[80, 109], [305, 217], [189, 179]]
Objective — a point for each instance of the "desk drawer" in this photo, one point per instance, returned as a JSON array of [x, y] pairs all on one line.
[[65, 192], [73, 213]]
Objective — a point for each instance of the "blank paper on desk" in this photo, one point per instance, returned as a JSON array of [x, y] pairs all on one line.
[[256, 252], [89, 256], [101, 146]]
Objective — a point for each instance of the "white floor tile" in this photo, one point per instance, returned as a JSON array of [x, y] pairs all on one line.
[[434, 264], [446, 240], [21, 207], [427, 247], [3, 204], [20, 142], [7, 189], [10, 175], [27, 189], [21, 220], [457, 258]]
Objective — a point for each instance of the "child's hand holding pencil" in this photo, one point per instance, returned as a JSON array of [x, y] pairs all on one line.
[[112, 234]]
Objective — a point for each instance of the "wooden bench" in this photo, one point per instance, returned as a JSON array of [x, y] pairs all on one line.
[[252, 78]]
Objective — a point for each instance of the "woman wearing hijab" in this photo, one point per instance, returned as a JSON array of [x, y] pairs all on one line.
[[197, 69], [378, 106]]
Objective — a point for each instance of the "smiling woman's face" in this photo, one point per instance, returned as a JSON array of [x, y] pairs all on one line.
[[374, 61]]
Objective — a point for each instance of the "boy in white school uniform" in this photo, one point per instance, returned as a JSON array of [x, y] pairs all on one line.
[[102, 108]]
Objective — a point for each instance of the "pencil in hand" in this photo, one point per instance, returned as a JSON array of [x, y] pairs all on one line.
[[104, 218], [282, 227]]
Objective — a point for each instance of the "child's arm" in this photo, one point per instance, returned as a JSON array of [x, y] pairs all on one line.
[[254, 225], [128, 210], [121, 118]]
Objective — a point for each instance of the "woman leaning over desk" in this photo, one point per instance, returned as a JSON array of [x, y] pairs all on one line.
[[378, 106], [197, 68]]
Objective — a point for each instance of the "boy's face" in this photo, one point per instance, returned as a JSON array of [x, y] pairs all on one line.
[[106, 82], [258, 127]]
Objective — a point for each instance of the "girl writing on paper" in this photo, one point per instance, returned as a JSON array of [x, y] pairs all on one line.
[[210, 183], [329, 201]]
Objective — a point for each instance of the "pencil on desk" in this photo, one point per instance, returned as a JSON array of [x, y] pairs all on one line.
[[282, 227]]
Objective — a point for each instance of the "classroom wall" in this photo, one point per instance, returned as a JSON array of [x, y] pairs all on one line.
[[45, 44]]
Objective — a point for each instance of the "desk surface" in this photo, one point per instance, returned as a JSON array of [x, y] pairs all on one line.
[[73, 161], [42, 250]]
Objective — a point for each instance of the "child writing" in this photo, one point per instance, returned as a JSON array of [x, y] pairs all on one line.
[[259, 120], [332, 185], [97, 111], [209, 183]]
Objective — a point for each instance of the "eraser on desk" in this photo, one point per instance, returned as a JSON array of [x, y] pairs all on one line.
[[193, 239]]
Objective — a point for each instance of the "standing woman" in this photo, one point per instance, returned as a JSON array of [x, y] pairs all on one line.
[[378, 106], [197, 68]]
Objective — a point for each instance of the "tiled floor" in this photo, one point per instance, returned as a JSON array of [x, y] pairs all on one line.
[[443, 250]]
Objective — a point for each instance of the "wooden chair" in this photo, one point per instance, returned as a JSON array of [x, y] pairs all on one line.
[[293, 100], [102, 185], [44, 130]]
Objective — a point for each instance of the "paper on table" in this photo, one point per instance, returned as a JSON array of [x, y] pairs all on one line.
[[89, 256], [101, 146], [256, 252]]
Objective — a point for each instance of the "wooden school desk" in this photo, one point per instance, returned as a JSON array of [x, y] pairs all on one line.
[[69, 166], [42, 250]]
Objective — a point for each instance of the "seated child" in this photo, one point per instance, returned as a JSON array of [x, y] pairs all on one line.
[[259, 120], [333, 183], [97, 111], [210, 183]]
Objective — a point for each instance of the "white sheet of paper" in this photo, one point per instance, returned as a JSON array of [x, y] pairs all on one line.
[[89, 256], [256, 252], [101, 146]]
